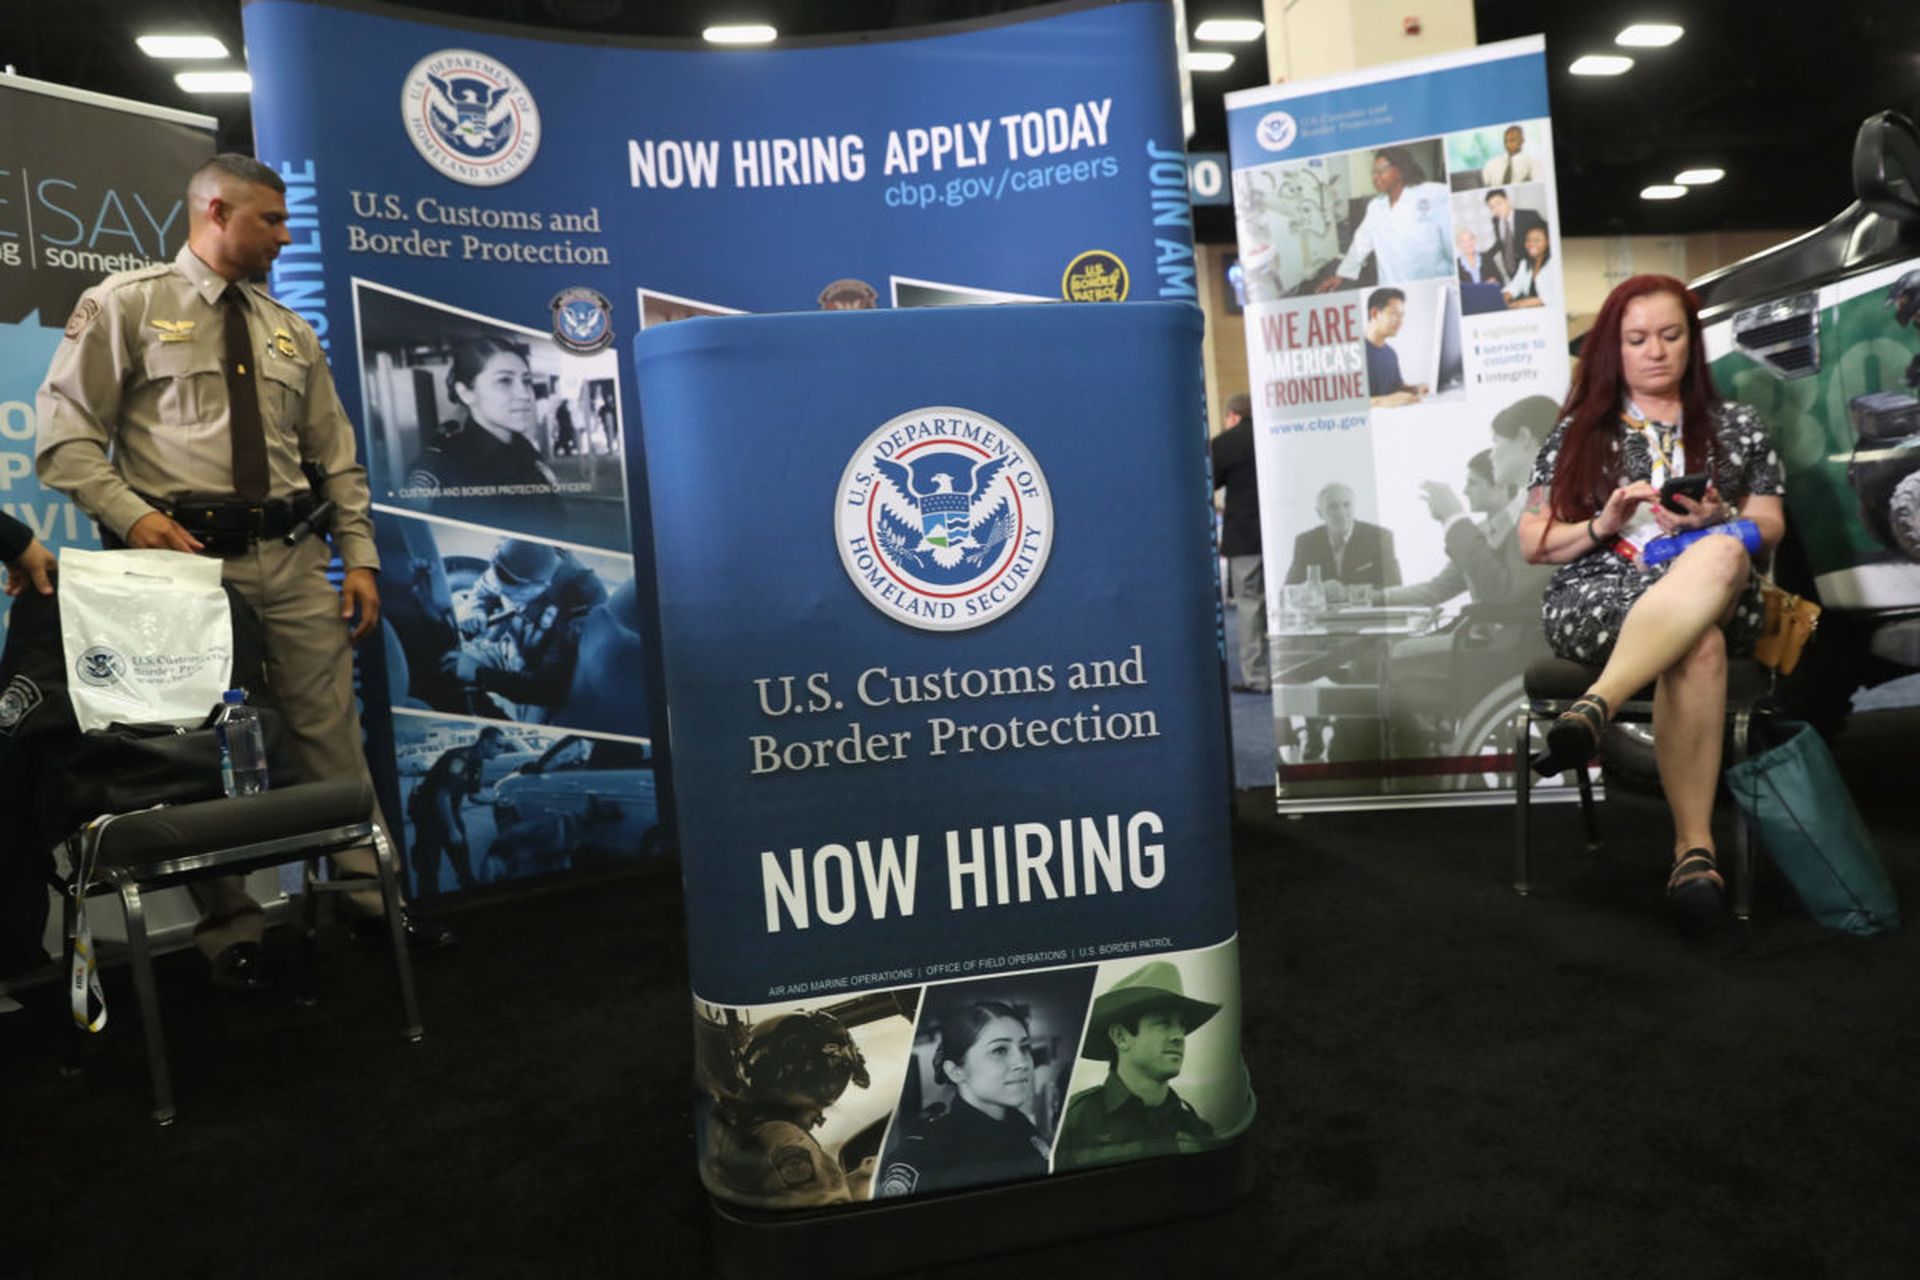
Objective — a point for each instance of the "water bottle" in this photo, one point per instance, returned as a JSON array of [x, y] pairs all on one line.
[[1661, 550], [243, 745]]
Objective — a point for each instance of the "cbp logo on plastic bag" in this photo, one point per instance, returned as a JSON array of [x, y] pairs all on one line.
[[100, 667], [470, 117], [943, 519]]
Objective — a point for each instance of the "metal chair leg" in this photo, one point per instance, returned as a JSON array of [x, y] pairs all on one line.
[[1523, 789], [163, 1111], [306, 990], [1582, 776], [402, 958], [1742, 838]]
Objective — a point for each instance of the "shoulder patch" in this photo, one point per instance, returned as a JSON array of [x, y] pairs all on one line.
[[22, 695], [794, 1164], [83, 315], [897, 1180]]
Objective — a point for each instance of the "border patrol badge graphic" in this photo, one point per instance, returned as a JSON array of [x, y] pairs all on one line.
[[1094, 276], [582, 320], [943, 519], [470, 117]]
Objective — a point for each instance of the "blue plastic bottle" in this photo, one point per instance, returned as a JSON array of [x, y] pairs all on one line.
[[1661, 550]]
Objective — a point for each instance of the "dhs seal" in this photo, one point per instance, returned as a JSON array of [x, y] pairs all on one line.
[[470, 117], [943, 519], [582, 320], [1276, 131], [100, 666]]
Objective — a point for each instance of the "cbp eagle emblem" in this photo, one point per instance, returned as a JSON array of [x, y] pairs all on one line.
[[944, 519]]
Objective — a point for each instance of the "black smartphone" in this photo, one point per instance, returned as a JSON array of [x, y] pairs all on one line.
[[1694, 486]]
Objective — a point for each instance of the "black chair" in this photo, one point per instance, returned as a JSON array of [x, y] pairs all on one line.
[[1553, 684], [133, 853]]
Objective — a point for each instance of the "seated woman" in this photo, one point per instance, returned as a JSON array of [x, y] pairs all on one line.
[[985, 1136], [1644, 409], [1536, 281]]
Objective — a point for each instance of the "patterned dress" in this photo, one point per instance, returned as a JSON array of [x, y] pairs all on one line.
[[1588, 599]]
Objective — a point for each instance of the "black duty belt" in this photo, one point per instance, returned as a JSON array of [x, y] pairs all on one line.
[[228, 526]]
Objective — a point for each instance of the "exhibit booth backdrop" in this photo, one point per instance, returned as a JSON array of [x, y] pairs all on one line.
[[950, 745], [1406, 334], [89, 185], [484, 215]]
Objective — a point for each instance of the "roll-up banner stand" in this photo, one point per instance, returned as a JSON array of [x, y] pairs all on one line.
[[939, 636], [89, 185], [484, 215], [1406, 333]]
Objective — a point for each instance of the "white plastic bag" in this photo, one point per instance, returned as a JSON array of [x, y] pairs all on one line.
[[147, 634]]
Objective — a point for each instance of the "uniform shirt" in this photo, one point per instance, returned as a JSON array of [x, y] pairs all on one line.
[[962, 1146], [772, 1161], [1410, 239], [140, 373], [1110, 1122]]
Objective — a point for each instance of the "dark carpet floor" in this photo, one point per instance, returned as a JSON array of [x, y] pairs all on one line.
[[1453, 1081]]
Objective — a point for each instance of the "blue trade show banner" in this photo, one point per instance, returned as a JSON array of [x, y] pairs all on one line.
[[483, 217], [938, 629], [88, 185]]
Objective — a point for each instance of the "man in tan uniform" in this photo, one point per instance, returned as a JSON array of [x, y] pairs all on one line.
[[210, 395]]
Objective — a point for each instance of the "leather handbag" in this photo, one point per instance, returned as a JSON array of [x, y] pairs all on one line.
[[1786, 626]]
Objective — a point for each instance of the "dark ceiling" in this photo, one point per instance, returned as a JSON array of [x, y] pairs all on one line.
[[1770, 92]]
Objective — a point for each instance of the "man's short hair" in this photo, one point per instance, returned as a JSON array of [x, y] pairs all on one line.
[[1501, 192], [492, 733], [1481, 464], [1240, 403], [242, 168], [1330, 488], [1535, 415], [1380, 299]]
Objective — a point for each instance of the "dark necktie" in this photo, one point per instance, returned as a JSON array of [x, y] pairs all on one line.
[[1507, 177], [243, 403]]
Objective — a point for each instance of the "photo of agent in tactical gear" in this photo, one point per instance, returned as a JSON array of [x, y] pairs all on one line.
[[795, 1098]]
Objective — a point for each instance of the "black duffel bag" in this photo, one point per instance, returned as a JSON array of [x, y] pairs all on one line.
[[124, 767]]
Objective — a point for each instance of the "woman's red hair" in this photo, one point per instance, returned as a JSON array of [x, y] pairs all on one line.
[[1584, 473]]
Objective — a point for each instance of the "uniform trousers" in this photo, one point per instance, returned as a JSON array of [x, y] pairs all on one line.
[[309, 666]]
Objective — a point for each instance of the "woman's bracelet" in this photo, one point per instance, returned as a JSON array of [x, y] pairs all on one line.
[[1593, 533]]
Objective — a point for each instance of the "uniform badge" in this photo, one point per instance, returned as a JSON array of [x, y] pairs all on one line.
[[175, 330], [82, 317], [582, 320], [283, 343], [898, 1180]]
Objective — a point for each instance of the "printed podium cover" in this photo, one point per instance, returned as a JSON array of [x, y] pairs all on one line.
[[938, 627], [483, 216]]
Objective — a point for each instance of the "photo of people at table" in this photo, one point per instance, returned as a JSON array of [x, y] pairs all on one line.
[[1506, 256]]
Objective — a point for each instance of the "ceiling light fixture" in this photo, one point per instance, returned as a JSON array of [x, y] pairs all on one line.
[[215, 81], [1649, 35], [204, 47], [1229, 30], [740, 33], [1601, 64], [1208, 60], [1698, 177], [1662, 191]]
